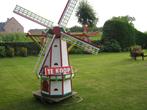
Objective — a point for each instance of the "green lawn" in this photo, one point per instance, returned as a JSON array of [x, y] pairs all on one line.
[[108, 81]]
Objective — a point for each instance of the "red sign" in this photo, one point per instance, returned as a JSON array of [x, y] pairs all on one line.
[[58, 70]]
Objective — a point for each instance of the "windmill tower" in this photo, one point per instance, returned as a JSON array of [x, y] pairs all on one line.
[[54, 68]]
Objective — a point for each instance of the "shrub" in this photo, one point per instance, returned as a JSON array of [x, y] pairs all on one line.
[[141, 39], [76, 50], [121, 31], [111, 46], [23, 51], [10, 52], [32, 48], [17, 51], [2, 51]]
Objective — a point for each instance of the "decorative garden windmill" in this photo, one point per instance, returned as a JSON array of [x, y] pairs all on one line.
[[54, 68]]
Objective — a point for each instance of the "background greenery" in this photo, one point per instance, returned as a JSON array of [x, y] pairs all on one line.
[[108, 81], [13, 44], [14, 37], [122, 30]]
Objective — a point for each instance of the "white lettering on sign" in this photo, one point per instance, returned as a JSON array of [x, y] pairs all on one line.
[[58, 70]]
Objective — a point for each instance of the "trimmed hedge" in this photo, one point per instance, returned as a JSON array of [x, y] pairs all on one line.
[[2, 51], [31, 48], [10, 52], [23, 52]]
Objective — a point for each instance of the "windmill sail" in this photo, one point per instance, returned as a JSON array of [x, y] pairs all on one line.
[[41, 55], [32, 16], [40, 62], [80, 43], [67, 12]]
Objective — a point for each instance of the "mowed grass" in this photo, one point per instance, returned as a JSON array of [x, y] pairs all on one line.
[[108, 81]]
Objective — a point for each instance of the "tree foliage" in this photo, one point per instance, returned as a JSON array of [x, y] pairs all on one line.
[[127, 19], [120, 30], [86, 14], [141, 39]]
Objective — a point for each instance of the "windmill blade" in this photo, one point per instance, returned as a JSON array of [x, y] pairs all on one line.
[[67, 12], [32, 16], [35, 38], [80, 43], [40, 63]]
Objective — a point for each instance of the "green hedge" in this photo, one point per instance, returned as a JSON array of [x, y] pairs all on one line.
[[2, 51], [22, 48], [23, 51], [10, 52], [141, 39], [77, 50]]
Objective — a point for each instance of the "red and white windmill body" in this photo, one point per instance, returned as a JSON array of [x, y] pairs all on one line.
[[54, 68]]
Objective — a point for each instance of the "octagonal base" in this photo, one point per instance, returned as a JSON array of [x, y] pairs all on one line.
[[39, 96]]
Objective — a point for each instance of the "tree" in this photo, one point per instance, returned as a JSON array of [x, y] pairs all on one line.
[[121, 31], [85, 14], [141, 39], [127, 19]]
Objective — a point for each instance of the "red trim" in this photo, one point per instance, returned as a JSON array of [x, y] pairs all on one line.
[[61, 53], [63, 11], [45, 85], [57, 75]]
